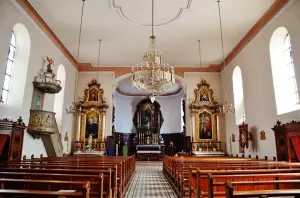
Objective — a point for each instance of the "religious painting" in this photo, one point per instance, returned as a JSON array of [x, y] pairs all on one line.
[[204, 96], [205, 125], [233, 138], [263, 135], [92, 125], [37, 100], [93, 95], [148, 114], [243, 137]]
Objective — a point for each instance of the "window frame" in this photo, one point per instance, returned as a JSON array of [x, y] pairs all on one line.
[[6, 86]]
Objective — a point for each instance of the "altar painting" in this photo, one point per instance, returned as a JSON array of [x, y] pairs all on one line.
[[204, 97], [205, 125], [92, 125], [148, 114], [93, 95]]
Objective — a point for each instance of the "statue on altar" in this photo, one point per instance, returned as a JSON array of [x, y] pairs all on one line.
[[148, 140]]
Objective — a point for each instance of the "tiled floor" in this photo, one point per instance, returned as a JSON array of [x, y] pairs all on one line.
[[149, 182]]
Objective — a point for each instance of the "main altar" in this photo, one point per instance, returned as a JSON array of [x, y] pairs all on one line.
[[205, 122], [90, 121], [148, 120]]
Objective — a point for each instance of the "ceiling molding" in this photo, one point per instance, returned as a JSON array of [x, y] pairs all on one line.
[[273, 10], [35, 16], [119, 71], [123, 15], [119, 91]]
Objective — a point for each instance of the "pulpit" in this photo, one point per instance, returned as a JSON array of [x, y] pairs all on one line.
[[90, 121], [148, 120]]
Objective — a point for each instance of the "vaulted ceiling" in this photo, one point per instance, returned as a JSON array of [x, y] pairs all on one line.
[[123, 26]]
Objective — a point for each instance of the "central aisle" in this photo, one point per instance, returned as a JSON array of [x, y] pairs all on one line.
[[149, 182]]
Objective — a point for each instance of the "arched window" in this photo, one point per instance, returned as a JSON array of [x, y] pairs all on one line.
[[238, 94], [13, 87], [9, 69], [284, 79], [59, 98]]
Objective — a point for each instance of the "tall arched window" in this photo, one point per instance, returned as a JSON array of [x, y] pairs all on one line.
[[284, 79], [238, 94], [59, 98], [14, 84], [9, 69]]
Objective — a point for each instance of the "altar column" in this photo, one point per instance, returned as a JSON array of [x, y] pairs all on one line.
[[193, 127], [103, 126], [78, 119]]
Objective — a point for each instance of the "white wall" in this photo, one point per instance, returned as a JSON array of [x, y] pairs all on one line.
[[106, 79], [254, 60], [41, 46], [125, 107]]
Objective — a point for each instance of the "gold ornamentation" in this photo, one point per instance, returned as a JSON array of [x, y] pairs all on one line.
[[204, 109], [263, 135]]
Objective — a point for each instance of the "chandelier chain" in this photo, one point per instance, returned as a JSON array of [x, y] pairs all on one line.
[[80, 30], [99, 55], [200, 58], [221, 31], [152, 17]]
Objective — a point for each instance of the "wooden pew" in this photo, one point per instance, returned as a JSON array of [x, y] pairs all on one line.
[[96, 181], [42, 193], [261, 193], [248, 182]]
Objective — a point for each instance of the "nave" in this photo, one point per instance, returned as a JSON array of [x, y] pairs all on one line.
[[149, 181]]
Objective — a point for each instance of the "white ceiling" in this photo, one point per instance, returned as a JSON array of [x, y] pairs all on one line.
[[126, 87], [121, 26]]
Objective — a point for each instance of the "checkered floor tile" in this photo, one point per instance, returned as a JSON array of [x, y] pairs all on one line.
[[149, 182]]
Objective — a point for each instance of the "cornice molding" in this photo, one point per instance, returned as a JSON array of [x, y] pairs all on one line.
[[119, 71], [34, 15], [126, 18], [273, 10], [119, 91]]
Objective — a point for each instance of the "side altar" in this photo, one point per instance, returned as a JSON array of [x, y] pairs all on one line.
[[205, 122], [148, 120], [90, 121]]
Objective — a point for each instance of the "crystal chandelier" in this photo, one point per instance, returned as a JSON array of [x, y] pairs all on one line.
[[225, 108], [75, 108], [152, 75]]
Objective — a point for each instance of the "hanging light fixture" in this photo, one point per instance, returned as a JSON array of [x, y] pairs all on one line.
[[152, 75], [226, 107], [75, 107]]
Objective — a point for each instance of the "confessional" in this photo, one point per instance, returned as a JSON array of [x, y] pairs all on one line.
[[287, 138], [11, 139], [148, 120], [204, 116], [90, 121]]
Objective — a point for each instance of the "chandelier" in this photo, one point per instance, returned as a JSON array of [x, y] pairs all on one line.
[[152, 76], [226, 108], [75, 108]]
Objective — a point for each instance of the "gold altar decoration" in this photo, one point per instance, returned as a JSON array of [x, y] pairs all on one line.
[[204, 113], [91, 114]]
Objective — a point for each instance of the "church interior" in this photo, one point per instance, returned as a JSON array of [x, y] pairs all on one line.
[[149, 98]]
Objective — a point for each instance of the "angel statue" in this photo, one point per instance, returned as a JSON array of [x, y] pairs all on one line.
[[50, 62]]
